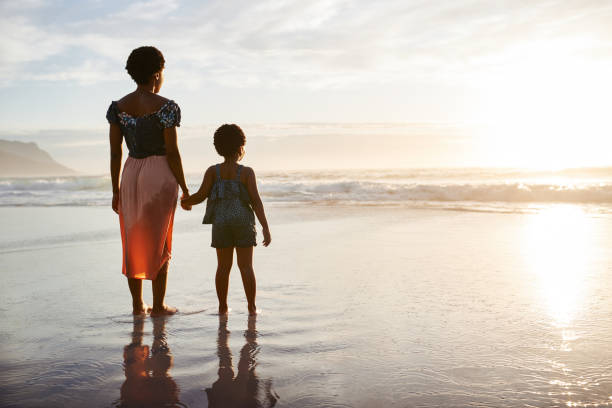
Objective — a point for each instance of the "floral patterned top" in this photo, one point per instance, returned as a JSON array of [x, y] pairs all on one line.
[[144, 135]]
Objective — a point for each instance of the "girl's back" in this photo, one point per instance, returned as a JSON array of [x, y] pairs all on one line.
[[229, 202], [229, 171]]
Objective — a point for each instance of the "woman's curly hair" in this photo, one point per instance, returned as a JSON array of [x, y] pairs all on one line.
[[228, 140], [143, 62]]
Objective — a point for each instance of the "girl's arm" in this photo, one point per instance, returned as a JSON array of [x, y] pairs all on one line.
[[116, 140], [258, 206], [174, 158], [203, 191]]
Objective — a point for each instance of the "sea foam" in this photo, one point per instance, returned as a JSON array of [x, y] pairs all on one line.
[[373, 187]]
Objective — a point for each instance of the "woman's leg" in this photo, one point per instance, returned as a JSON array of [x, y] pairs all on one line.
[[138, 306], [159, 292], [244, 257], [224, 265]]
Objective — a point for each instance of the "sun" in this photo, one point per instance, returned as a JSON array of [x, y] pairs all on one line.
[[543, 107]]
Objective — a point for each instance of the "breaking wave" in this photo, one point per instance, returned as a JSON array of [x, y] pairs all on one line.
[[351, 191], [434, 186]]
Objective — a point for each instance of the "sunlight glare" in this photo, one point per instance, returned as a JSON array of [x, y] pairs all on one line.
[[543, 108], [558, 252]]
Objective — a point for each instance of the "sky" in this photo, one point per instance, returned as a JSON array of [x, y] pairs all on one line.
[[432, 83]]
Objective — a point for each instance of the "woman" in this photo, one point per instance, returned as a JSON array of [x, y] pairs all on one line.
[[148, 382], [147, 197]]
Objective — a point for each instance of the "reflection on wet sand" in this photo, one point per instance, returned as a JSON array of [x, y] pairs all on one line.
[[147, 380], [244, 389]]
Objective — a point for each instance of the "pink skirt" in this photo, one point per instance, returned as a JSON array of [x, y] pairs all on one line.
[[147, 201]]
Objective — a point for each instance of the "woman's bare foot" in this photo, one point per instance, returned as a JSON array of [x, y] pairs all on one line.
[[163, 311], [140, 309]]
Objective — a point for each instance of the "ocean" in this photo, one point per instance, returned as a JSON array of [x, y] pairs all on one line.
[[397, 287], [467, 189]]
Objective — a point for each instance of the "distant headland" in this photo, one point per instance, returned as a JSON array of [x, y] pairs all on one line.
[[19, 159]]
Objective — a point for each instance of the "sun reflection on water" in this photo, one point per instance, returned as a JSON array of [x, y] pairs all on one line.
[[558, 243]]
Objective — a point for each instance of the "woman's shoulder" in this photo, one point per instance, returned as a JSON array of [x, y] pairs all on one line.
[[161, 99], [112, 113], [169, 114], [123, 99], [164, 102]]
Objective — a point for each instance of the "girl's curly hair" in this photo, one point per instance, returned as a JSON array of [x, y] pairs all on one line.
[[228, 140]]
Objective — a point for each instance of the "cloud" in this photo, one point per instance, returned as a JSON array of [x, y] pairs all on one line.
[[147, 10], [88, 72], [22, 43], [291, 44]]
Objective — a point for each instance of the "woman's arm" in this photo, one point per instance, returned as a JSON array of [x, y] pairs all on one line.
[[258, 206], [203, 191], [174, 158], [116, 140]]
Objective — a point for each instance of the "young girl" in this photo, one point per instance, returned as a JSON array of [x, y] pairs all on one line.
[[232, 195]]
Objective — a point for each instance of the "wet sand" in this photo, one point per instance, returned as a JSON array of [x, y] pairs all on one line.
[[361, 307]]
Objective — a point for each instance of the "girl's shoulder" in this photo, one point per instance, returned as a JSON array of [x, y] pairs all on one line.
[[247, 175], [210, 171], [247, 171]]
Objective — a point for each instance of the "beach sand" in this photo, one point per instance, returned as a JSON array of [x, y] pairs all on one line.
[[360, 306]]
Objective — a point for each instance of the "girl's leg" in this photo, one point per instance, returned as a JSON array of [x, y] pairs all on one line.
[[224, 265], [159, 292], [138, 306], [245, 263]]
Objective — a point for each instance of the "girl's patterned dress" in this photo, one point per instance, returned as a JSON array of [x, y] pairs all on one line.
[[229, 211]]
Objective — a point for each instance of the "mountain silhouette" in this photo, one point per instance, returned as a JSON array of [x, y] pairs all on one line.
[[18, 159]]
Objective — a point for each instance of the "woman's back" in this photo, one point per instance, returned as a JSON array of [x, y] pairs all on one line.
[[141, 126], [137, 105]]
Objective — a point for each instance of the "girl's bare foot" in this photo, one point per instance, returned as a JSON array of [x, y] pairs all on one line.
[[163, 311]]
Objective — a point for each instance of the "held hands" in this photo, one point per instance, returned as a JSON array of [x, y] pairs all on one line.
[[184, 206], [267, 237]]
